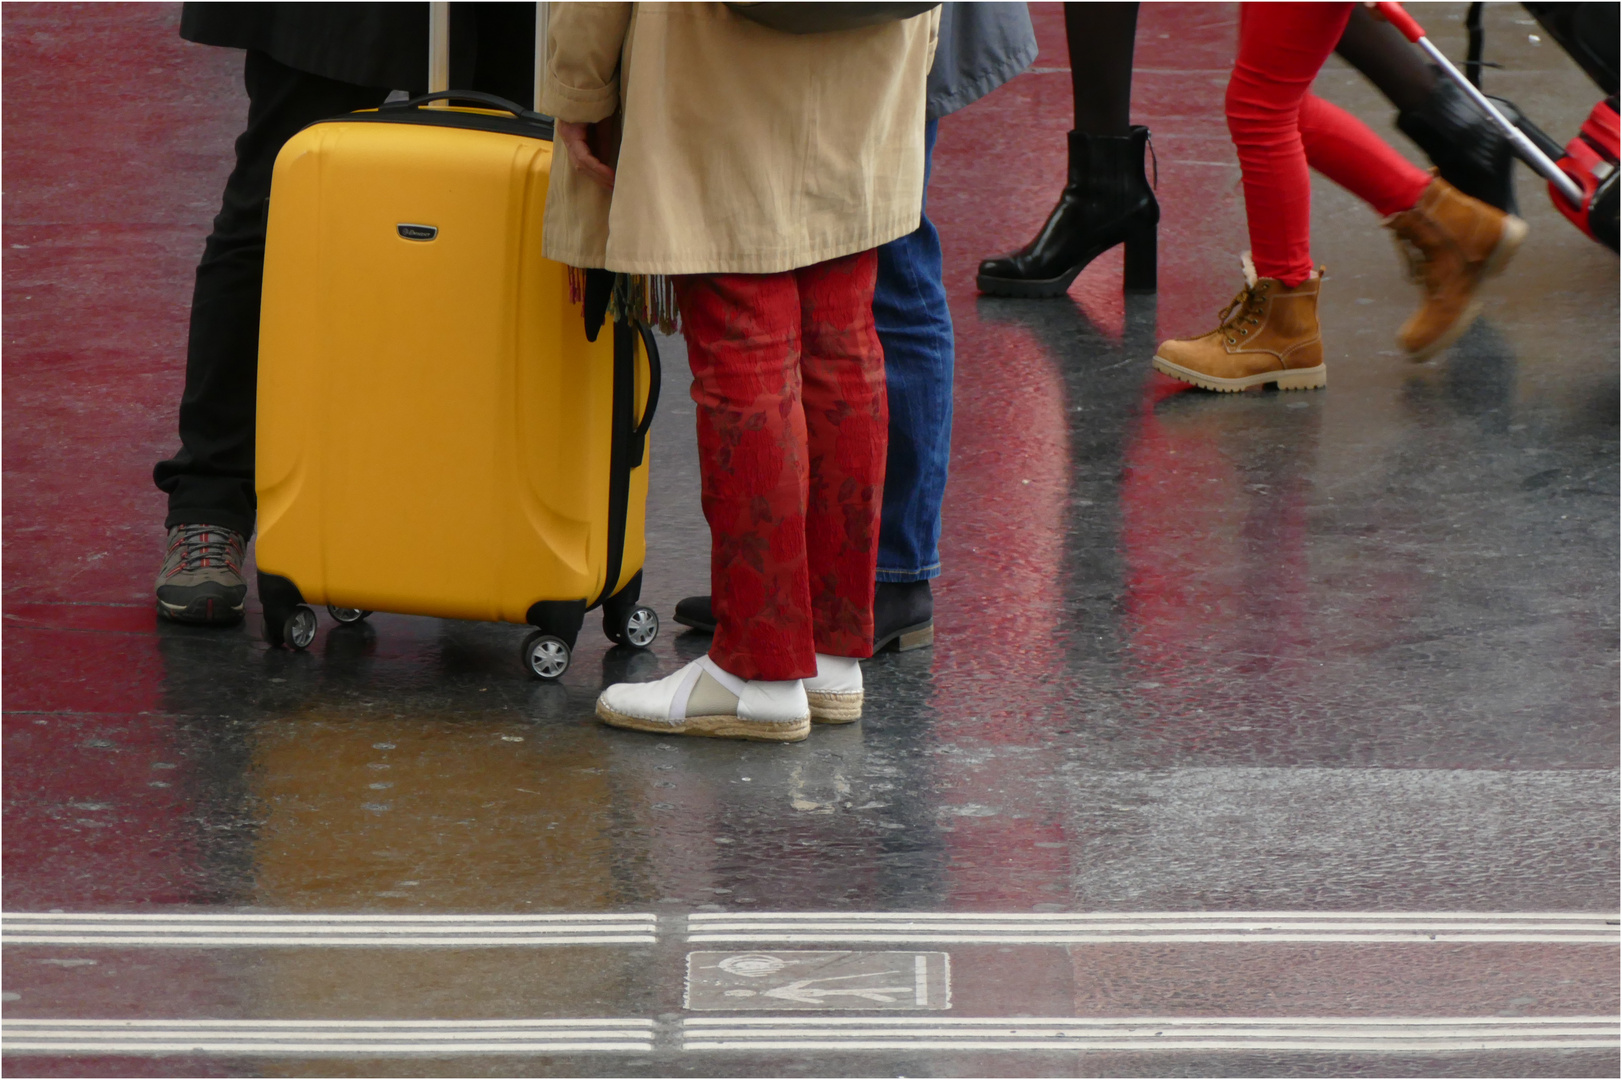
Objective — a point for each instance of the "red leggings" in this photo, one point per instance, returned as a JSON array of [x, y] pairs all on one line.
[[1280, 128], [788, 376]]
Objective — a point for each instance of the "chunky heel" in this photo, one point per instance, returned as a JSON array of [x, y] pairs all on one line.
[[1141, 258]]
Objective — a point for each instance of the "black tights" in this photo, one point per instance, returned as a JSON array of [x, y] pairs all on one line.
[[1100, 37], [1385, 58]]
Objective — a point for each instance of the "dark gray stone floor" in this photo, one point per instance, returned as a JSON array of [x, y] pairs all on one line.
[[1343, 651]]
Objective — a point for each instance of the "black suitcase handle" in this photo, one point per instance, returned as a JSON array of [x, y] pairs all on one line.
[[655, 378], [478, 97]]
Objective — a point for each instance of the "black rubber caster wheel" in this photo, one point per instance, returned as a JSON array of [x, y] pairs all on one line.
[[347, 616], [299, 629], [637, 628], [546, 656]]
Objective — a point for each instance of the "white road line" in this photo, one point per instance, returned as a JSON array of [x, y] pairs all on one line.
[[1110, 916], [968, 928], [301, 1038], [1363, 1034], [314, 917], [254, 929], [351, 941]]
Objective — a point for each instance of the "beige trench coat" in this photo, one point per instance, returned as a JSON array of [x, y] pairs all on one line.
[[745, 150]]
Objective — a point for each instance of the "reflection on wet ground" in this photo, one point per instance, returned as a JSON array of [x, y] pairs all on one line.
[[1346, 655]]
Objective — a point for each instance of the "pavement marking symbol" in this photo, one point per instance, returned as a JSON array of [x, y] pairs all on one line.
[[1050, 1034], [898, 981], [257, 929], [316, 1038], [1089, 928]]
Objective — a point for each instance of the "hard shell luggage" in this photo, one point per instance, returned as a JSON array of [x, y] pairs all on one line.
[[1590, 159], [437, 435]]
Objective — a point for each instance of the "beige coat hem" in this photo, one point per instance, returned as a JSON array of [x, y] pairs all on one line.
[[789, 257]]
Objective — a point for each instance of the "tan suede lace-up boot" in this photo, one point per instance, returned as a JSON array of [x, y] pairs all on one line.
[[1268, 334], [1452, 243]]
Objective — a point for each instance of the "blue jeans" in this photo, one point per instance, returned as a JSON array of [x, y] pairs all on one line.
[[915, 328]]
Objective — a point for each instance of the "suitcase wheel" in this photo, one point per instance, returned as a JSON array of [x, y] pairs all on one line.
[[299, 629], [637, 628], [545, 655], [348, 616]]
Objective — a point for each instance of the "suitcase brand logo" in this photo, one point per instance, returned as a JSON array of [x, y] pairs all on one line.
[[417, 232]]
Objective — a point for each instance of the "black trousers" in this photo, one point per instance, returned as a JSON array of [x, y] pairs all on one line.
[[210, 480]]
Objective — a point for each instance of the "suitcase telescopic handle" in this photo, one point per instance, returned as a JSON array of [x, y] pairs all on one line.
[[477, 97], [1524, 147], [655, 377], [439, 46]]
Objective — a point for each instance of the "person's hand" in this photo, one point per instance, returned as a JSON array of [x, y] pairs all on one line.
[[578, 139]]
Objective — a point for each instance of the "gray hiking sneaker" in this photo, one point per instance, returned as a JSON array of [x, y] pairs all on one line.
[[201, 580]]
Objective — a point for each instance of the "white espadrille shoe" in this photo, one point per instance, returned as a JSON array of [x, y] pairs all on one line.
[[704, 699], [835, 695]]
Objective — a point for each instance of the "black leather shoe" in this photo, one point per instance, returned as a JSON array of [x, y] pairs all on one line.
[[1106, 201], [1465, 146], [903, 615], [695, 611]]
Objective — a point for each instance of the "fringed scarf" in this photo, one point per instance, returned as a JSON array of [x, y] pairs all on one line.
[[649, 299]]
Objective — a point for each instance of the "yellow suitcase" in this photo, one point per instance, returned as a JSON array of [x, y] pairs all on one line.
[[437, 435]]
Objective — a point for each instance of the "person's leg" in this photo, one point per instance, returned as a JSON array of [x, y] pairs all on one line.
[[1100, 38], [743, 344], [842, 372], [1463, 143], [1395, 67], [1342, 147], [1281, 48], [1106, 200], [1455, 242], [1269, 334], [210, 480], [914, 325]]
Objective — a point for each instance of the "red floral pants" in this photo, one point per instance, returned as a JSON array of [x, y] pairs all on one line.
[[788, 377]]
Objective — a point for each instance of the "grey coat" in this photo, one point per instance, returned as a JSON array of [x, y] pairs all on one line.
[[981, 46]]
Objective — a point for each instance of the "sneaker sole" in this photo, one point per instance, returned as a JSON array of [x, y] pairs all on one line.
[[1313, 378], [835, 707], [213, 613], [1508, 244], [712, 727]]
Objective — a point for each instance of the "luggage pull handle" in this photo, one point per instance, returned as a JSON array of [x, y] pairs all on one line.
[[655, 377], [439, 47], [478, 97]]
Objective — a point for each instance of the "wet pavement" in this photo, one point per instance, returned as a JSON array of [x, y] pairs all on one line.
[[1263, 734]]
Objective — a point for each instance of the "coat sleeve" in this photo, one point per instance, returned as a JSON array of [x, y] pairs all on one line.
[[584, 44]]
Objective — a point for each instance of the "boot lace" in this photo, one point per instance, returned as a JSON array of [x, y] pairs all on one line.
[[1242, 314], [206, 545]]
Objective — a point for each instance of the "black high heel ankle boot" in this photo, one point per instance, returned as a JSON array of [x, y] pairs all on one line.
[[1107, 201], [1465, 146]]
